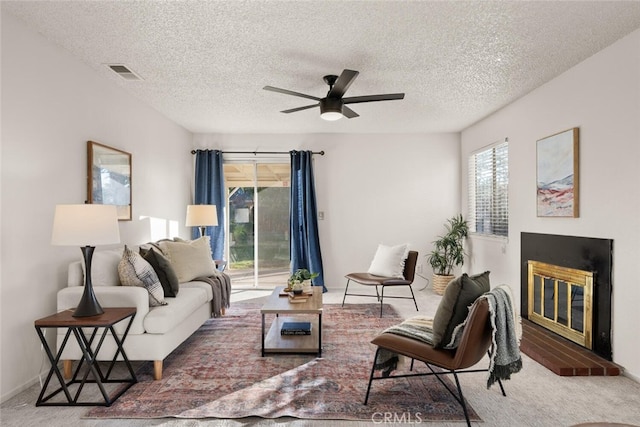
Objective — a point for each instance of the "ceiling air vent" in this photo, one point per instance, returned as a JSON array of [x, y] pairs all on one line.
[[124, 72]]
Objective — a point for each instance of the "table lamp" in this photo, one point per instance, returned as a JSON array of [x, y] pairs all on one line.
[[202, 216], [86, 226]]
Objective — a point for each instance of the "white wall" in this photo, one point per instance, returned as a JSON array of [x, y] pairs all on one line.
[[51, 105], [372, 189], [601, 96]]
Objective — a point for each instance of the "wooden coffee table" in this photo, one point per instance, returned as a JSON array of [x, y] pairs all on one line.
[[285, 311]]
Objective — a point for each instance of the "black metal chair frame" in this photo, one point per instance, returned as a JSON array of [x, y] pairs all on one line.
[[457, 394], [409, 274], [475, 342]]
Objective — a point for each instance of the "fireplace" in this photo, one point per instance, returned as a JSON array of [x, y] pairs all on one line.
[[560, 299], [566, 287]]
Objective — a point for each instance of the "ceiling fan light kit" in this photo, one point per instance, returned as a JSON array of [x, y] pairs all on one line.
[[332, 107]]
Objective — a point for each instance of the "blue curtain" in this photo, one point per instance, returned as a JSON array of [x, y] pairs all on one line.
[[305, 243], [210, 190]]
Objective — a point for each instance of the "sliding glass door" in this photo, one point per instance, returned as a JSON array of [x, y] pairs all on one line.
[[258, 222]]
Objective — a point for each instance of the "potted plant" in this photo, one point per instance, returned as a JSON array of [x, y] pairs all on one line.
[[448, 252], [300, 278]]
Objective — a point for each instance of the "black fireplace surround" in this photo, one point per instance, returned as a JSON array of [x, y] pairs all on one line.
[[582, 253]]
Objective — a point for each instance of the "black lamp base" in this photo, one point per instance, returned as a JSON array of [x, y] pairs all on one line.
[[88, 305]]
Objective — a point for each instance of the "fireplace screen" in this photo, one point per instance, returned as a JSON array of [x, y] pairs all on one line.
[[560, 299]]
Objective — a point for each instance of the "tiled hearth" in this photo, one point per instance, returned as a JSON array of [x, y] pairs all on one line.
[[562, 356]]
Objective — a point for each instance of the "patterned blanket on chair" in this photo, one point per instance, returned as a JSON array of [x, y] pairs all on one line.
[[418, 327]]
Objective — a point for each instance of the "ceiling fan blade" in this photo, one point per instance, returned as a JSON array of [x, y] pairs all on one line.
[[349, 113], [342, 84], [370, 98], [293, 110], [290, 92]]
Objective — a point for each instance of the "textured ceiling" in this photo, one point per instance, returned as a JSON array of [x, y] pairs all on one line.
[[204, 63]]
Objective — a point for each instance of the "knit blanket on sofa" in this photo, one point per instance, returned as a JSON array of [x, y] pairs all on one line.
[[221, 286]]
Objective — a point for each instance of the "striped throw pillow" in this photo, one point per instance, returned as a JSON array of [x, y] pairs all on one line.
[[136, 271]]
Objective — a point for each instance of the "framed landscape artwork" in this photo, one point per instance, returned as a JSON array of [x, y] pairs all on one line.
[[109, 178], [557, 175]]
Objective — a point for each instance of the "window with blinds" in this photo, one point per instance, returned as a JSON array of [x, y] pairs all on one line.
[[488, 190]]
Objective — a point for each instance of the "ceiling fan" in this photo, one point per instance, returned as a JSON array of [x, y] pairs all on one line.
[[333, 106]]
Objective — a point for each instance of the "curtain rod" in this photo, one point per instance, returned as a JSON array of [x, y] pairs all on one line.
[[261, 152]]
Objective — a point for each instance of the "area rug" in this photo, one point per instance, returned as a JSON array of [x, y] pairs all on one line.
[[218, 373]]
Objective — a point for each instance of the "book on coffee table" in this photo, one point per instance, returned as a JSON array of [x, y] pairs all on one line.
[[298, 298], [295, 328]]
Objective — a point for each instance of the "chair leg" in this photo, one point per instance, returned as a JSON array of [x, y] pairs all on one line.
[[381, 300], [373, 366], [462, 403], [502, 388], [414, 297], [345, 292], [489, 351]]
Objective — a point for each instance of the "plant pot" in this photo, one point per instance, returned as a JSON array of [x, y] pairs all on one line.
[[306, 286], [297, 291], [440, 282]]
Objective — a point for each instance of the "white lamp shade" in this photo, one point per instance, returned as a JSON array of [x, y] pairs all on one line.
[[201, 215], [85, 225]]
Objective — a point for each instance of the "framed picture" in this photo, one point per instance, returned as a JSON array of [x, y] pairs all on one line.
[[557, 175], [109, 178]]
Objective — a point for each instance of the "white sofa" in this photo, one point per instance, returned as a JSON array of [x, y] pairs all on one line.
[[155, 331]]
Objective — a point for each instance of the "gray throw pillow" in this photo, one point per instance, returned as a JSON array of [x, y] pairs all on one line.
[[164, 270], [459, 294], [135, 271]]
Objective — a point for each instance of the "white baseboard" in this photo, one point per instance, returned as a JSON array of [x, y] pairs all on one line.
[[630, 375], [17, 390]]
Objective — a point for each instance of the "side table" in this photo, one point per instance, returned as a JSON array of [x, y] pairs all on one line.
[[85, 339]]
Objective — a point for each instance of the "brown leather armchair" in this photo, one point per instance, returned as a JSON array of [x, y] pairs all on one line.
[[474, 344], [367, 279]]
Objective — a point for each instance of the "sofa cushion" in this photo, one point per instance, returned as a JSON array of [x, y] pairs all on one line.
[[104, 268], [164, 270], [135, 271], [190, 259], [389, 261], [163, 319], [459, 294], [200, 285]]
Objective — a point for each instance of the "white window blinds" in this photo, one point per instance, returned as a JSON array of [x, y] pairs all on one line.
[[488, 190]]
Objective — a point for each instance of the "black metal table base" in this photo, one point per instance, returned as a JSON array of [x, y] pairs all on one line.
[[93, 368]]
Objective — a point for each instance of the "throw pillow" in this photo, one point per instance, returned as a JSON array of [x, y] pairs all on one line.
[[164, 270], [135, 271], [389, 261], [459, 294], [190, 259]]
